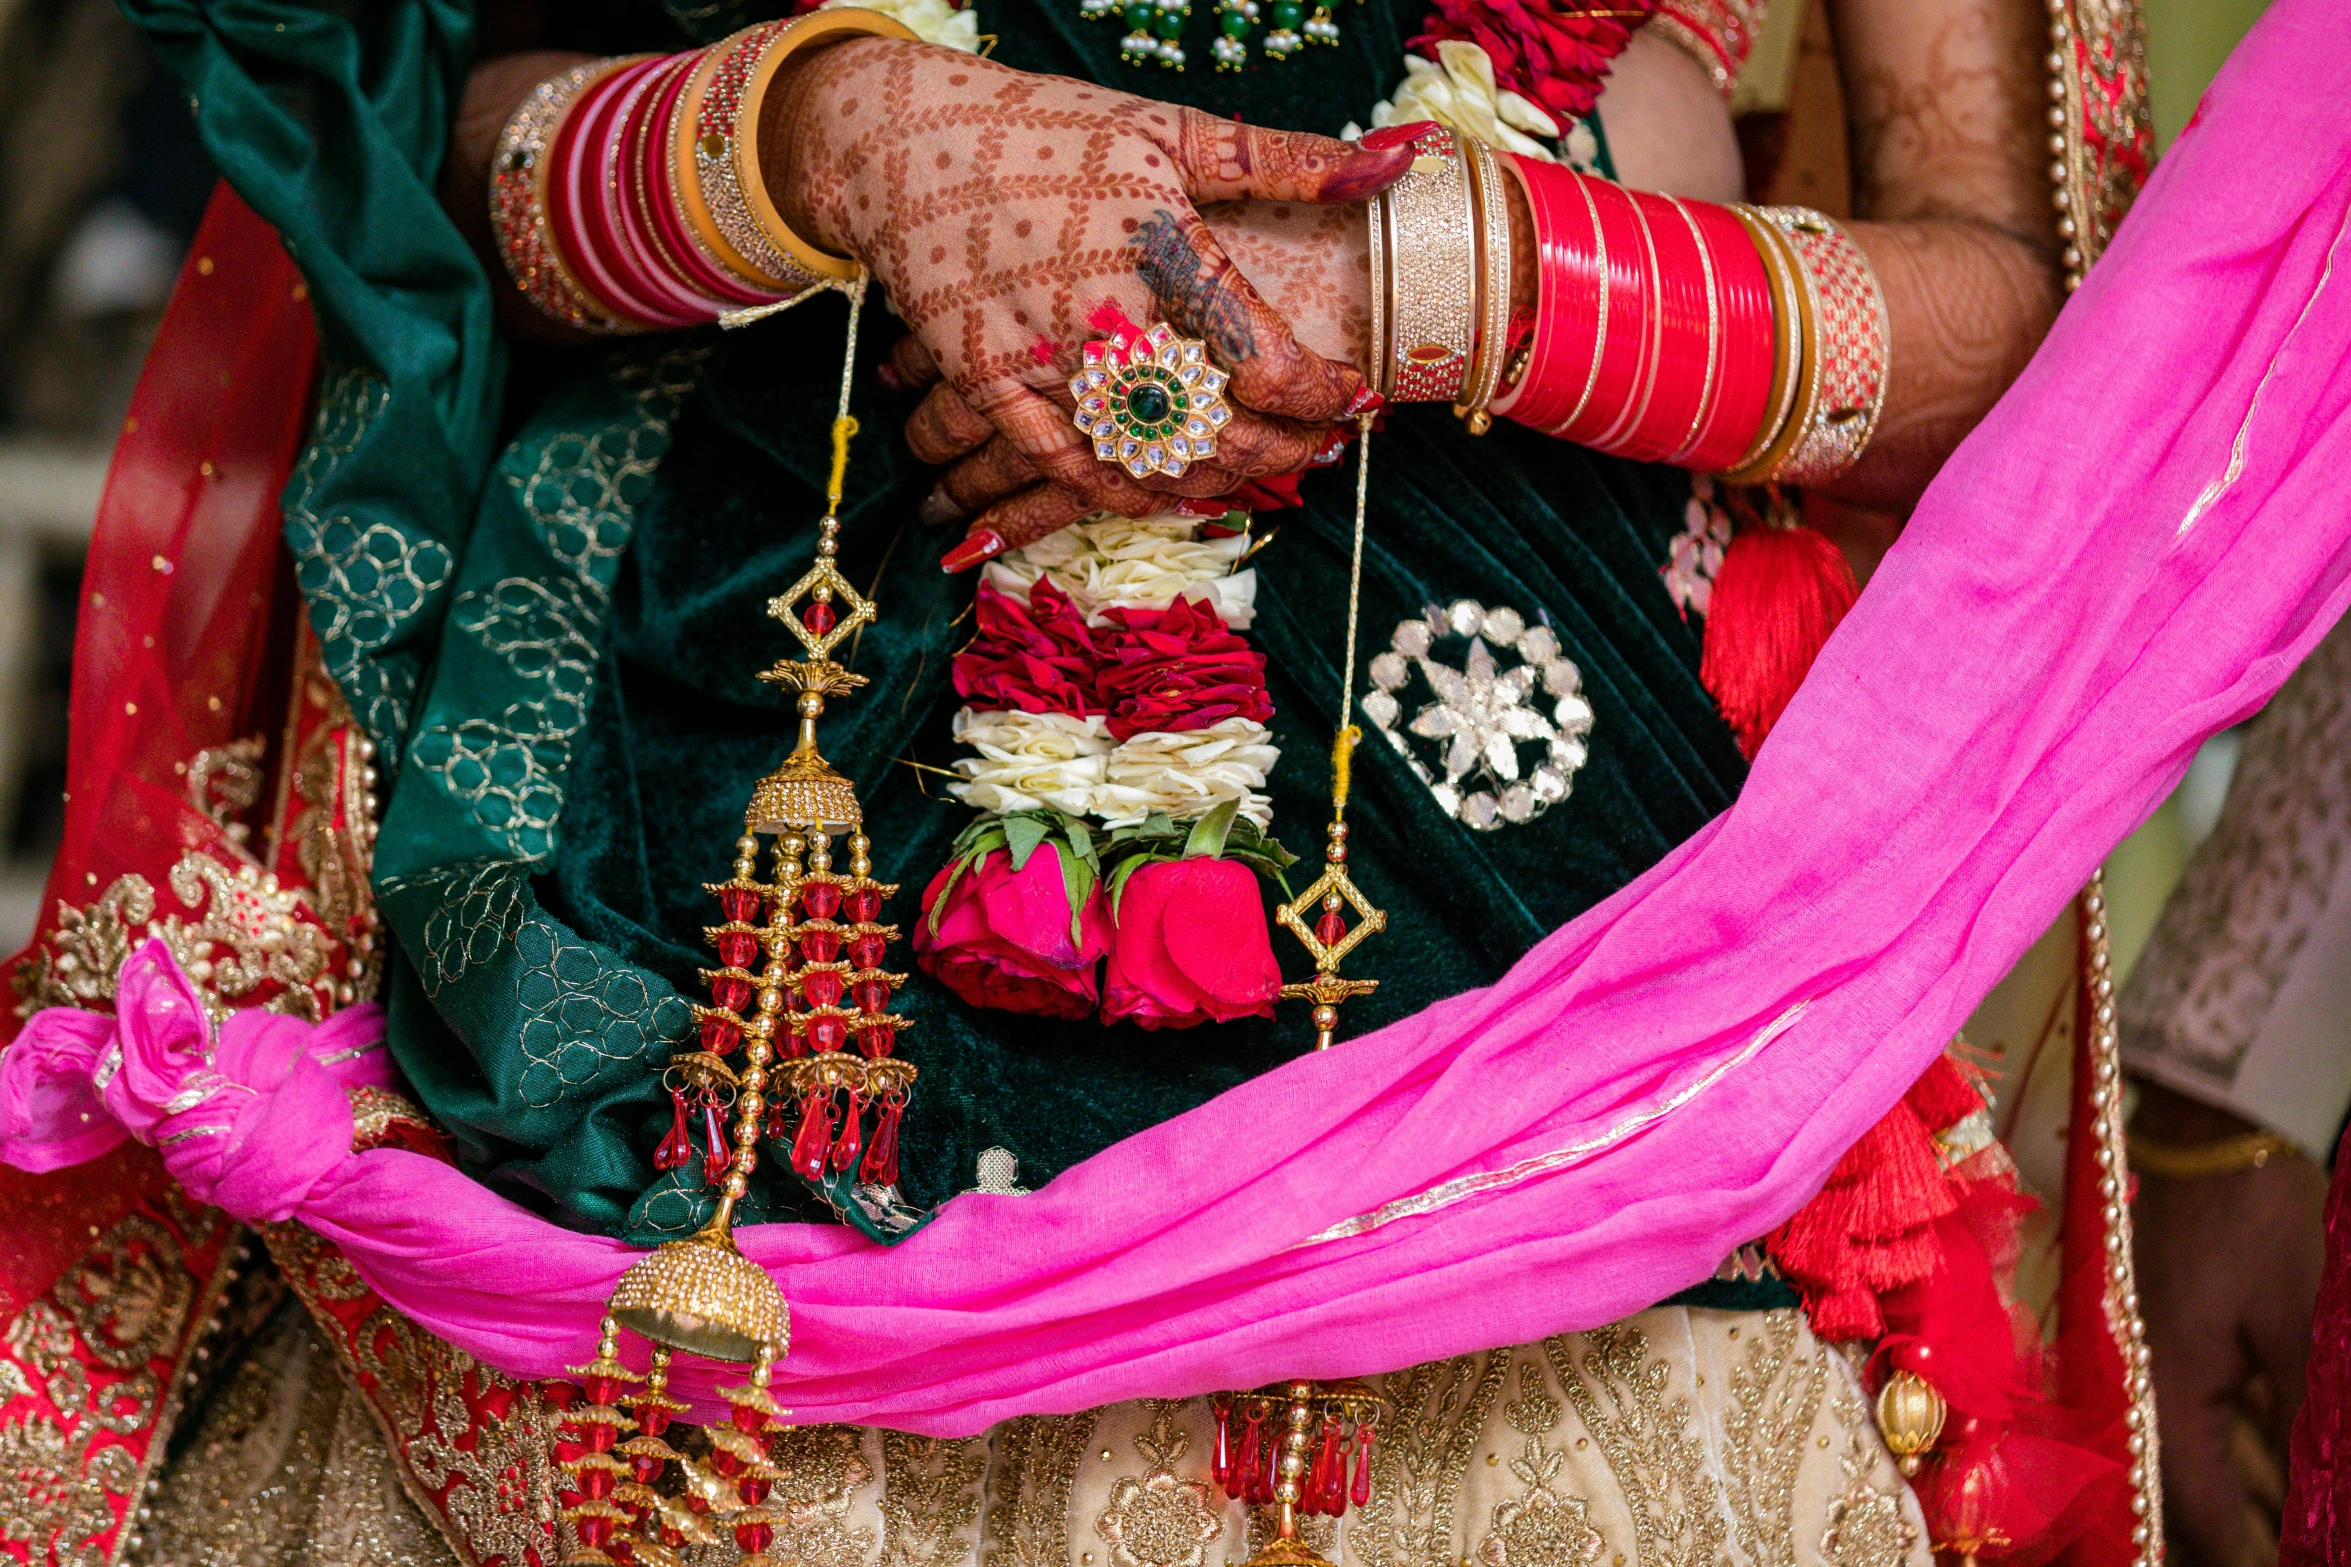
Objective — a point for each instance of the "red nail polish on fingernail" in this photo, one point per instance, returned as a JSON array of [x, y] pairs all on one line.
[[977, 547], [1191, 507], [1395, 135], [1365, 401]]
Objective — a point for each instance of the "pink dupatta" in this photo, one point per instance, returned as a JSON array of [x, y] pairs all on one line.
[[2132, 551]]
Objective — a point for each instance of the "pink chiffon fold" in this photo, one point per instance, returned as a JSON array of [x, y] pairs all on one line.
[[2131, 552]]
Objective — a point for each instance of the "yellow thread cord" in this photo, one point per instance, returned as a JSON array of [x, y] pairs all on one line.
[[843, 429], [1343, 763]]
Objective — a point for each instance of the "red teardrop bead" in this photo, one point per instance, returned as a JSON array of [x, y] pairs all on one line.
[[1245, 1471], [815, 1140], [852, 1140], [881, 1155], [827, 1033], [731, 992], [820, 946], [821, 900], [1361, 1494], [714, 1139], [818, 617], [677, 1147], [822, 987], [740, 903], [873, 996], [1330, 928], [868, 951], [738, 948], [862, 905], [1220, 1467]]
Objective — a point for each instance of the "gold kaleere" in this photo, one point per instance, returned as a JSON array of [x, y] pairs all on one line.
[[815, 1034], [1331, 938]]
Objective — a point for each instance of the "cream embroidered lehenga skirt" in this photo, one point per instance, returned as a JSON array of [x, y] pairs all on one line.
[[1676, 1438]]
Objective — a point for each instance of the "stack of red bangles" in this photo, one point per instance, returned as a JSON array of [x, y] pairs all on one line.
[[1745, 341], [627, 194]]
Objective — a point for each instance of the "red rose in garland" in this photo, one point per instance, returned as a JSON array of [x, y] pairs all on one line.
[[1003, 938], [1190, 947], [1177, 668], [1557, 55], [1038, 659]]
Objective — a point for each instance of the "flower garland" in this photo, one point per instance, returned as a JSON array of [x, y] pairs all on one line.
[[1119, 755]]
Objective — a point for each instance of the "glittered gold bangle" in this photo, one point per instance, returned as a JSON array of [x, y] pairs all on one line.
[[1375, 371], [1492, 205], [1846, 349], [1432, 245], [518, 201], [722, 118]]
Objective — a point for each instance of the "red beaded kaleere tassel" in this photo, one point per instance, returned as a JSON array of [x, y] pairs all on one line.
[[1288, 1447], [798, 1025]]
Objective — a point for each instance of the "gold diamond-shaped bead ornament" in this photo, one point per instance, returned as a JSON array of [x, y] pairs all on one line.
[[1331, 937]]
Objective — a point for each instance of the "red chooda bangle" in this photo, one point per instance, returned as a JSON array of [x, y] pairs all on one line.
[[1655, 337]]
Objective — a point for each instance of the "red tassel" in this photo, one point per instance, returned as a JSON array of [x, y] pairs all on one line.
[[1944, 1095], [1869, 1229], [1781, 590]]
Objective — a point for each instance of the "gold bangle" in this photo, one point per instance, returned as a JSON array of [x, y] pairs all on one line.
[[1492, 270], [1787, 336], [518, 201], [722, 120], [2199, 1161], [1804, 349], [1432, 247]]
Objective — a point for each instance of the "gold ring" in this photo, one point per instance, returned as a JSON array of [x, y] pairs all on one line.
[[1151, 401]]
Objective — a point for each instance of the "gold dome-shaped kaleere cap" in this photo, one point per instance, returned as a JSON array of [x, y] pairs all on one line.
[[803, 795], [702, 1295]]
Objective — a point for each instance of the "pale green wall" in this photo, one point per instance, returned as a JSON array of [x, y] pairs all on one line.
[[2186, 42]]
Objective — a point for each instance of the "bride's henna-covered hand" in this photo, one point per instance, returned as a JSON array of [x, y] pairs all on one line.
[[1014, 217], [1312, 264]]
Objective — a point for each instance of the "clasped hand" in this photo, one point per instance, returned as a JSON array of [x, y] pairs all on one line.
[[1014, 217]]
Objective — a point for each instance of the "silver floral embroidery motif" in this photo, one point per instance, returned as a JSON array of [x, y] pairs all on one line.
[[1483, 713]]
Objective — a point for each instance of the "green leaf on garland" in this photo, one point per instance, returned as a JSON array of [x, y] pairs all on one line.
[[1077, 879], [1125, 873], [1022, 834], [1081, 841], [1209, 833]]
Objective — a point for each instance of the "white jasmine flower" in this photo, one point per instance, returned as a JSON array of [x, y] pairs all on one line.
[[1029, 760], [1458, 91], [1134, 563], [932, 21], [1188, 774]]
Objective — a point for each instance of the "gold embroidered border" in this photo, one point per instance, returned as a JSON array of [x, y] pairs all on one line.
[[2103, 132]]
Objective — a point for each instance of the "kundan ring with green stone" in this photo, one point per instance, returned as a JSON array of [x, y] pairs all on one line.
[[1151, 401]]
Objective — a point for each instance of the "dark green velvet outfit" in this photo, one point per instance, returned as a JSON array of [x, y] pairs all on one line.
[[559, 643]]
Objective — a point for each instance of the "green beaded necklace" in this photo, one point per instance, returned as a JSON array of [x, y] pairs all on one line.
[[1156, 28]]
